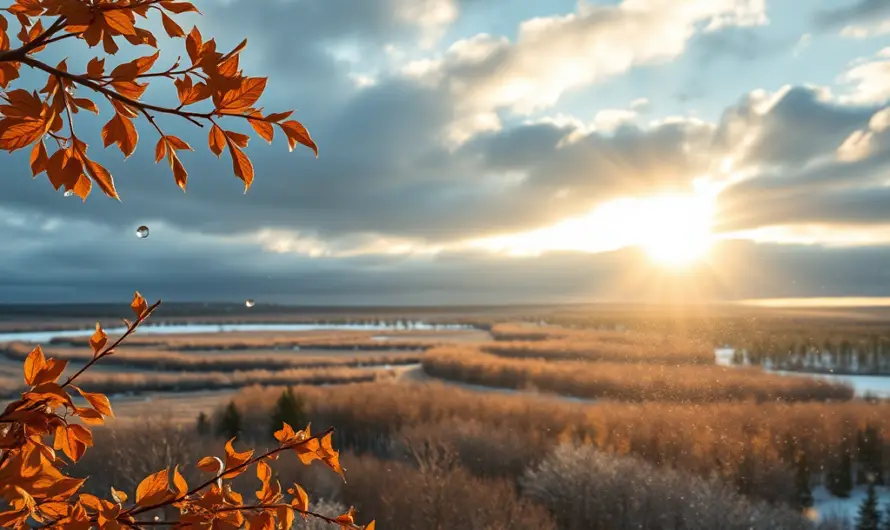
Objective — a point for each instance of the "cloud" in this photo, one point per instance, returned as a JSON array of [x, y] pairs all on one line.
[[557, 54], [858, 19], [869, 80]]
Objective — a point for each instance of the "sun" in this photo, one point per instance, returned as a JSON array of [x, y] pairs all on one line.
[[674, 231]]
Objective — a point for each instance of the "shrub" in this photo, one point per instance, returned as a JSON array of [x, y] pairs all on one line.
[[591, 490], [746, 444]]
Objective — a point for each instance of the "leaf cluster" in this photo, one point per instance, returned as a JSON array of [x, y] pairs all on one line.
[[207, 76]]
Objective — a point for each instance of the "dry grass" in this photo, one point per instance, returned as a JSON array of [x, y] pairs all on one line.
[[746, 444], [628, 381], [317, 340], [560, 343], [114, 383], [158, 359]]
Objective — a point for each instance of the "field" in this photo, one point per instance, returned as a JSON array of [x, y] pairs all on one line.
[[565, 417]]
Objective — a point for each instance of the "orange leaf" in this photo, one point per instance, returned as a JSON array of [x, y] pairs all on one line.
[[245, 96], [81, 433], [98, 340], [138, 305], [121, 131], [347, 518], [296, 133], [235, 459], [217, 140], [38, 159], [87, 104], [261, 521], [17, 133], [119, 496], [278, 116], [241, 165], [119, 21], [130, 89], [171, 27], [239, 139], [211, 464], [82, 187], [179, 172], [179, 482], [193, 44], [160, 150], [263, 128], [50, 372], [177, 143], [179, 7], [34, 363], [102, 177], [99, 402], [89, 416], [96, 67], [68, 444], [300, 501], [153, 489], [285, 516]]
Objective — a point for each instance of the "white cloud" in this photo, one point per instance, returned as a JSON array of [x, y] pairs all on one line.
[[869, 80], [432, 16], [556, 54], [610, 119], [866, 31]]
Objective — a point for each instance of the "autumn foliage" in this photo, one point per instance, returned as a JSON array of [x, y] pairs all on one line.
[[209, 83], [47, 429]]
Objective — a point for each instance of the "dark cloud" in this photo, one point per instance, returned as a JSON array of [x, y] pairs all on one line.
[[858, 12], [799, 126]]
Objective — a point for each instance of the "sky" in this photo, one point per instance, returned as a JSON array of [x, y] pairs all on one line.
[[499, 151]]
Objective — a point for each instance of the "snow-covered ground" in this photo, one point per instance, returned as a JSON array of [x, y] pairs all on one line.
[[827, 506], [46, 336], [864, 385]]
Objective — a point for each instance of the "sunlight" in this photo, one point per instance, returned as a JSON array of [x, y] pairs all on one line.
[[673, 230]]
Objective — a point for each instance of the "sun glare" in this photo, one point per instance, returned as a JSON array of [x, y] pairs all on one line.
[[675, 230]]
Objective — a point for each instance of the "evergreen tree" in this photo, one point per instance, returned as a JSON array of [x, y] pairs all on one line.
[[203, 424], [869, 453], [803, 495], [885, 520], [840, 480], [288, 409], [230, 422], [869, 516]]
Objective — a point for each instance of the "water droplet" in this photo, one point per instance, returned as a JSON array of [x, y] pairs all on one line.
[[142, 232], [71, 89], [249, 303], [69, 193]]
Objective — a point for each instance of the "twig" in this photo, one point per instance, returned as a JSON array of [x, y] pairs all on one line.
[[225, 472]]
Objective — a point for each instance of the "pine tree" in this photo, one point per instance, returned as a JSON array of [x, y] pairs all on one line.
[[288, 409], [230, 423], [885, 520], [840, 480], [870, 455], [869, 516], [803, 495], [203, 424]]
